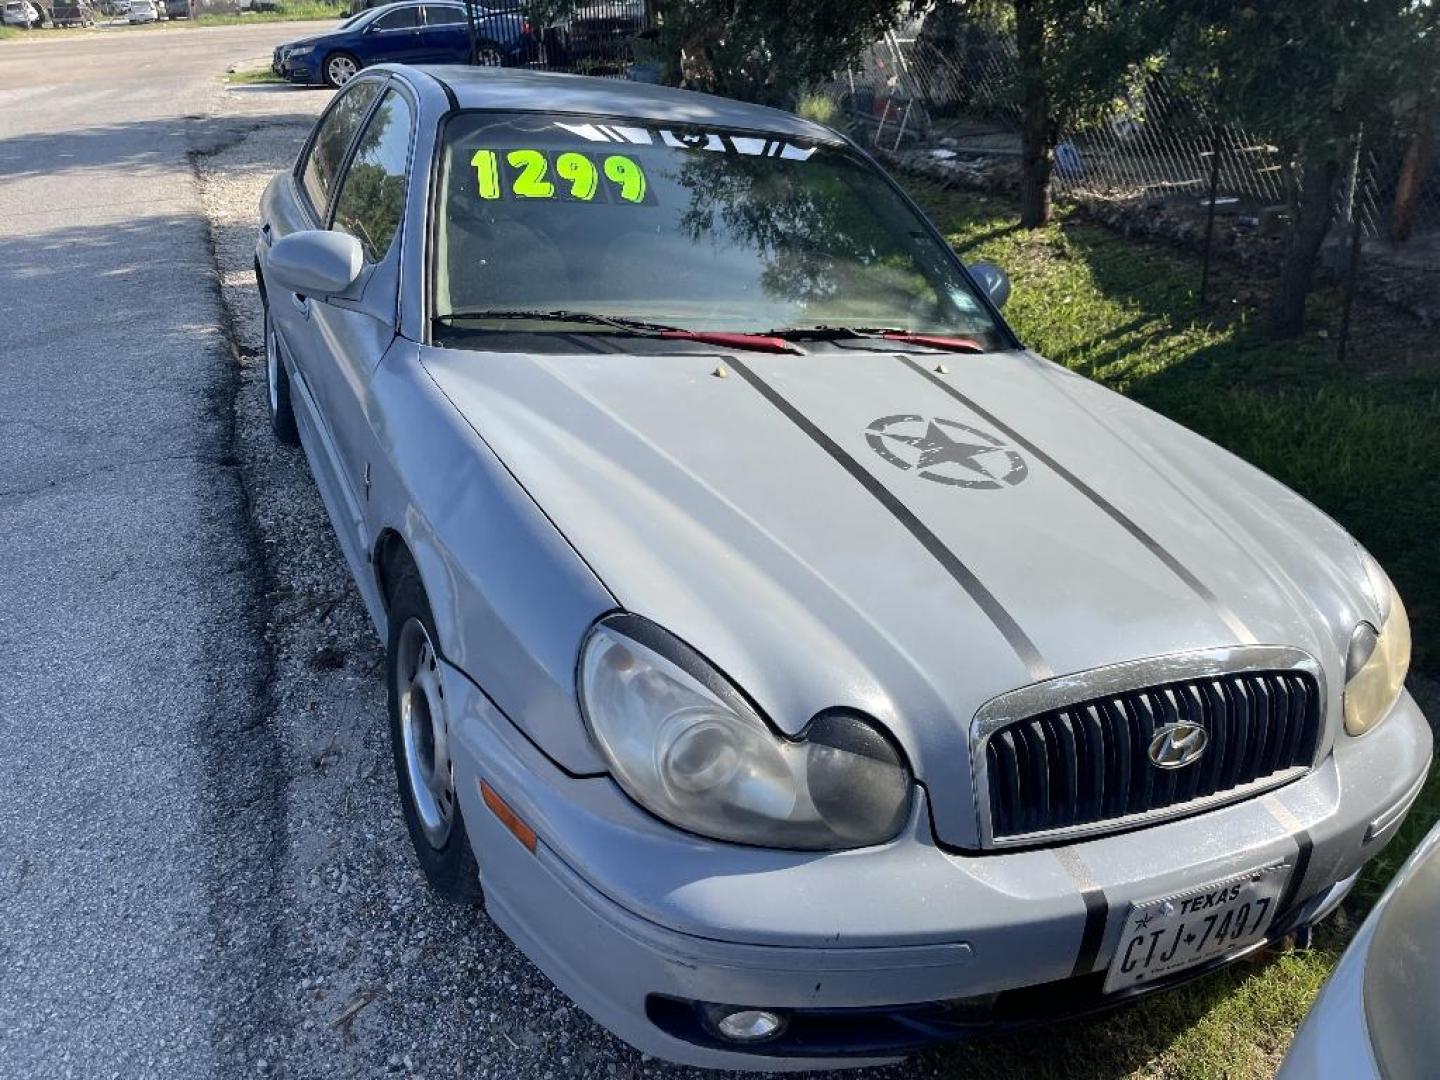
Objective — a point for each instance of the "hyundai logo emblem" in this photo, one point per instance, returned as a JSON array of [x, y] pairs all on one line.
[[1176, 745]]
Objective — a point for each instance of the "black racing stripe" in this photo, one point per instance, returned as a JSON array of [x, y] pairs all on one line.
[[1097, 911], [963, 575], [1297, 876], [1219, 607]]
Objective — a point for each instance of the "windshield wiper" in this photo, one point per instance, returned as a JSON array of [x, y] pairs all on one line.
[[755, 342], [877, 333], [633, 326]]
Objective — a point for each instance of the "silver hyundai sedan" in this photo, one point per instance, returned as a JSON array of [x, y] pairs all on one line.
[[801, 670]]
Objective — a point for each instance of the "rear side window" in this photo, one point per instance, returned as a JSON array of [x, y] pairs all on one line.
[[406, 18], [443, 16], [327, 152], [372, 195]]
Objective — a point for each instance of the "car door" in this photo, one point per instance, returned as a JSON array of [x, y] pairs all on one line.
[[446, 35], [395, 37], [315, 183], [350, 334]]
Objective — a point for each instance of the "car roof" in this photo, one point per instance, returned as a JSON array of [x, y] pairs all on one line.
[[510, 90]]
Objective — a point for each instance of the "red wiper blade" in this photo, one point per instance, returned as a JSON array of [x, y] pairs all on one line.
[[753, 342], [934, 341]]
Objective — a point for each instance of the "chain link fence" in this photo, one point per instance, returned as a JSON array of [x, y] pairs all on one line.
[[938, 93]]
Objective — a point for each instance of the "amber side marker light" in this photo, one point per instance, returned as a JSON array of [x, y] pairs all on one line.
[[511, 820]]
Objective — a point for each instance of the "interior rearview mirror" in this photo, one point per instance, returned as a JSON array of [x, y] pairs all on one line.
[[316, 262], [993, 280]]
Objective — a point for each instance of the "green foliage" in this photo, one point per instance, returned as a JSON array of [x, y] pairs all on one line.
[[818, 107], [1092, 52], [1304, 73], [765, 50]]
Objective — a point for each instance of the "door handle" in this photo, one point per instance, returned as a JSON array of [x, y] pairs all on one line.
[[302, 304]]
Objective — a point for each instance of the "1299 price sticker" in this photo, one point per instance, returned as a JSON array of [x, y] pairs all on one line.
[[568, 176]]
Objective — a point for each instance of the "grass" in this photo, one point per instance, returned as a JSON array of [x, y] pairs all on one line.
[[1360, 440], [254, 77], [298, 11], [7, 32]]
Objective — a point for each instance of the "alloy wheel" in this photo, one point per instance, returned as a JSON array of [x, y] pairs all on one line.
[[341, 70], [272, 366], [425, 733]]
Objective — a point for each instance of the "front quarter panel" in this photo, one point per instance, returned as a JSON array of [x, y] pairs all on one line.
[[512, 600]]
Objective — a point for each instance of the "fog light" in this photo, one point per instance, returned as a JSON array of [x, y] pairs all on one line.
[[748, 1025]]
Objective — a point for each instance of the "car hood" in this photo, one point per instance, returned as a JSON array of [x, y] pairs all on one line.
[[907, 535]]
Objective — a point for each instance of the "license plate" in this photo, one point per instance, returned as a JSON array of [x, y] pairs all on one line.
[[1175, 932]]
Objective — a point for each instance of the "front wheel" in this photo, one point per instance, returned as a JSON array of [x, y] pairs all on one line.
[[340, 68], [420, 741], [277, 384], [488, 55]]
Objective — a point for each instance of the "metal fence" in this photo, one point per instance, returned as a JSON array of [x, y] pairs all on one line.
[[945, 89]]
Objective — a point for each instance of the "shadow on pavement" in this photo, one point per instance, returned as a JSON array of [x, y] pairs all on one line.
[[138, 145]]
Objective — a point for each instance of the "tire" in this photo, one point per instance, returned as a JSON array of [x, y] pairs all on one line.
[[487, 54], [418, 739], [277, 385], [340, 68]]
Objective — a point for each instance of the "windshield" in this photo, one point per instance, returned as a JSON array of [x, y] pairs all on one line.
[[703, 229]]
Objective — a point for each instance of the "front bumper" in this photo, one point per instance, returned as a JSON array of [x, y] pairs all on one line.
[[301, 69], [637, 921]]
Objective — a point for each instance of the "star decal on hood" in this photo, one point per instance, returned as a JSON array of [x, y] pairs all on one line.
[[975, 459]]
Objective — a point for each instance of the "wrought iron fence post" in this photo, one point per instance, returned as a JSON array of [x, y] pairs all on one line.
[[470, 22], [1210, 213], [1352, 268]]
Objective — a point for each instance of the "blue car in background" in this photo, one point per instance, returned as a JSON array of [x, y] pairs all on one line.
[[429, 32]]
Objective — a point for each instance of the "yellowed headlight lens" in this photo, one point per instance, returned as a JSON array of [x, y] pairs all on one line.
[[1371, 694]]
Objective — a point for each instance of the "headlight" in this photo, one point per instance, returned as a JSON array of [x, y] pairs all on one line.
[[299, 50], [687, 746], [1378, 660]]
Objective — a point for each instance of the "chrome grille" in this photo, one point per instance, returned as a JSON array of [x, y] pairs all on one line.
[[1088, 763]]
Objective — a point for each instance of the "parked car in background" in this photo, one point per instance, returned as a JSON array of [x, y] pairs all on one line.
[[175, 9], [602, 33], [142, 11], [73, 13], [21, 13], [430, 32], [1378, 1016], [800, 669]]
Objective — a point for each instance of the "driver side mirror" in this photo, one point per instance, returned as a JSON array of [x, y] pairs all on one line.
[[993, 280], [316, 262]]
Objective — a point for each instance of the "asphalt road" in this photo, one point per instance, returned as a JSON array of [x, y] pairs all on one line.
[[132, 667]]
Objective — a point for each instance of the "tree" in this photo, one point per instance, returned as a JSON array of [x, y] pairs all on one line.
[[1421, 147], [1307, 75], [1075, 59], [768, 51]]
